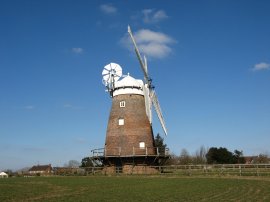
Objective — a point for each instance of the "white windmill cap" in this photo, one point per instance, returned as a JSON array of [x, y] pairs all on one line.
[[128, 85]]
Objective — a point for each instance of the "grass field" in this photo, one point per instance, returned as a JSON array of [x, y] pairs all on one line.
[[134, 188]]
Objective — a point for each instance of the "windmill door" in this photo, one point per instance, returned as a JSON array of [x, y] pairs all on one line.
[[118, 166]]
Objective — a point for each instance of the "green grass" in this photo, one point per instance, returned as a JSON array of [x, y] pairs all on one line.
[[134, 188]]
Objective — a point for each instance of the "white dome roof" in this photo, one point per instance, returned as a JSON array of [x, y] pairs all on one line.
[[128, 85], [129, 81]]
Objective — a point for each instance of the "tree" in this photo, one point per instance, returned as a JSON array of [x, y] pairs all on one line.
[[238, 157], [159, 143], [9, 172], [173, 160], [200, 156], [185, 158], [220, 156], [73, 164], [87, 162], [262, 158]]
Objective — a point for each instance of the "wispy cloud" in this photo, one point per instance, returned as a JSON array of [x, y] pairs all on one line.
[[70, 106], [80, 140], [261, 66], [77, 50], [67, 106], [108, 9], [153, 16], [152, 44], [29, 107], [33, 149]]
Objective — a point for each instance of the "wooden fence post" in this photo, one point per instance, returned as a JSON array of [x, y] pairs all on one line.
[[240, 171]]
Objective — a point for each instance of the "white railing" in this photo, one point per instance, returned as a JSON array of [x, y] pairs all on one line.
[[134, 151]]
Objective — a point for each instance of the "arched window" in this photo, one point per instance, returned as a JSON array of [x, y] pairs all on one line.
[[122, 104]]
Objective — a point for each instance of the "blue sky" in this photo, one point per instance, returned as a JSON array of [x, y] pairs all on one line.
[[209, 61]]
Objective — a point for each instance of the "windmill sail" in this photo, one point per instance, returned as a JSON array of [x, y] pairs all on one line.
[[144, 68], [149, 93], [158, 110], [148, 103]]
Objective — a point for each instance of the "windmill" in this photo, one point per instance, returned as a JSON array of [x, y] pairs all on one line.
[[129, 141]]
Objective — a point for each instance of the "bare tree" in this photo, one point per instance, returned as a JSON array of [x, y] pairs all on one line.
[[185, 158], [73, 164], [200, 156], [262, 158], [173, 160]]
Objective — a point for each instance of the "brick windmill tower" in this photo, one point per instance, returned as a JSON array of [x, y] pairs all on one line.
[[129, 145]]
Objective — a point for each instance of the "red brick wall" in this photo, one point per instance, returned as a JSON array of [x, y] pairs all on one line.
[[136, 128]]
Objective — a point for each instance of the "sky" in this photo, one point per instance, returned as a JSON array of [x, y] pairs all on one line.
[[209, 61]]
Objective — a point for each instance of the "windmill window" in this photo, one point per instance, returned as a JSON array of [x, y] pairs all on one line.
[[121, 122], [122, 104], [142, 145]]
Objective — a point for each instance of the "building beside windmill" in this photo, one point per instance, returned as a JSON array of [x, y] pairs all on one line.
[[129, 145], [41, 170]]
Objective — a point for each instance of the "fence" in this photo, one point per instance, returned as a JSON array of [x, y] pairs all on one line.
[[219, 169], [201, 170]]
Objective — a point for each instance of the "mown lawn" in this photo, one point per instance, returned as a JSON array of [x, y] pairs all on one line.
[[134, 188]]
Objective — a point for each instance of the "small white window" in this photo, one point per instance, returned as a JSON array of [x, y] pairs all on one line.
[[142, 145], [121, 122], [122, 104]]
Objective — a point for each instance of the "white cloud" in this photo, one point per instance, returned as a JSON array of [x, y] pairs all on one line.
[[152, 44], [261, 66], [108, 9], [77, 50], [152, 16], [146, 35]]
